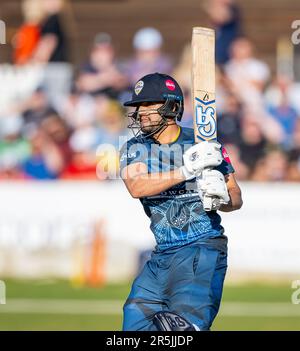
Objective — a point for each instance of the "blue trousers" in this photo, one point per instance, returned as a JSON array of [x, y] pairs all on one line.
[[187, 280]]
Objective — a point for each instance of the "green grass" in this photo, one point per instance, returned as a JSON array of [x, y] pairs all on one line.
[[59, 322], [62, 290], [258, 292]]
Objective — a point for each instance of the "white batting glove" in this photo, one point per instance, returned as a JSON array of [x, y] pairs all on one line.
[[212, 189], [200, 156]]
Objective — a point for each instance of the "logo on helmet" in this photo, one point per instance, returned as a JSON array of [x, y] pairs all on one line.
[[138, 87], [170, 84]]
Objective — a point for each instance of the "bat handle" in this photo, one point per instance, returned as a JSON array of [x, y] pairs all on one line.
[[207, 203]]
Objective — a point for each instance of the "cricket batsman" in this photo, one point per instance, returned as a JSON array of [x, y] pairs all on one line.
[[180, 287]]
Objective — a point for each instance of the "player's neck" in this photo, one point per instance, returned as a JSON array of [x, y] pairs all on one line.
[[168, 135]]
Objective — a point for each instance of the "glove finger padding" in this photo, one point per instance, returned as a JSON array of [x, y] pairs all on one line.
[[202, 155], [212, 183]]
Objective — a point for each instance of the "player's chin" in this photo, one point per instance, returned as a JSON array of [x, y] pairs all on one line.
[[146, 129]]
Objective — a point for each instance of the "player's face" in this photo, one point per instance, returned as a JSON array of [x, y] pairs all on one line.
[[149, 117]]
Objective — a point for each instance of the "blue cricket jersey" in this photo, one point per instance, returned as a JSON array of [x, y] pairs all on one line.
[[177, 215]]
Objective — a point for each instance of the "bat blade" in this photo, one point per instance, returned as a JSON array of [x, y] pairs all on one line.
[[203, 84]]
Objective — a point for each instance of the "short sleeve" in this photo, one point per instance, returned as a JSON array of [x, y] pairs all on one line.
[[133, 153], [51, 26], [226, 166]]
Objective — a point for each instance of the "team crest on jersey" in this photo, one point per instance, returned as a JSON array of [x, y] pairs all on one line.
[[178, 215], [138, 87]]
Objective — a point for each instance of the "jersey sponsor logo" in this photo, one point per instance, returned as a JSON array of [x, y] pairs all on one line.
[[170, 84], [128, 155], [138, 87], [177, 192]]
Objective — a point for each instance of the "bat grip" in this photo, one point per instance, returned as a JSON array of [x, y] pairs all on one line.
[[207, 203]]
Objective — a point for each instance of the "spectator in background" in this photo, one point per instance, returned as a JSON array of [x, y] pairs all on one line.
[[52, 46], [36, 107], [248, 75], [83, 163], [182, 72], [14, 148], [28, 35], [112, 127], [53, 50], [253, 143], [148, 57], [283, 86], [222, 89], [287, 117], [102, 74], [229, 121], [273, 167], [224, 16], [111, 123], [281, 102], [59, 133], [294, 154], [188, 115], [79, 109], [46, 160]]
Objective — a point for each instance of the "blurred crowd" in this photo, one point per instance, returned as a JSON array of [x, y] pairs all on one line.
[[55, 132]]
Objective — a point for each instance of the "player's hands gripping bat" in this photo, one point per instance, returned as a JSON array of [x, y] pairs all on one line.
[[200, 156], [212, 185]]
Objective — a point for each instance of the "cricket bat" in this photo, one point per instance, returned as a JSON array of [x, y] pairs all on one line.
[[203, 89]]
